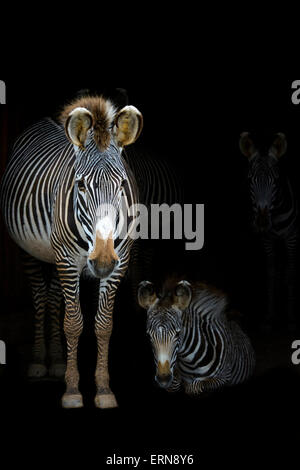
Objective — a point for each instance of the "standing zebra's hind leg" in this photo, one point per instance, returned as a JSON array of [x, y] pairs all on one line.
[[56, 353], [290, 281], [34, 272], [272, 285]]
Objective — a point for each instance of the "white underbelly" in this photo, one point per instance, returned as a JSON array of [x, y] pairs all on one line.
[[38, 248]]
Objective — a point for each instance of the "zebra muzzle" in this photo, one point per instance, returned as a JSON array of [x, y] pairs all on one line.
[[263, 220], [164, 375], [103, 259]]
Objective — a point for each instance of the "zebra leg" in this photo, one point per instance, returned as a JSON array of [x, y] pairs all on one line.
[[272, 284], [198, 387], [103, 328], [134, 271], [34, 272], [73, 325], [176, 383], [290, 279], [56, 353]]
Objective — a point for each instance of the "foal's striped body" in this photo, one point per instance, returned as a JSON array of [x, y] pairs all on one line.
[[214, 350], [196, 342]]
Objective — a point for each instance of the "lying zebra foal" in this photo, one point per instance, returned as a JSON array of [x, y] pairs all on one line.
[[195, 343]]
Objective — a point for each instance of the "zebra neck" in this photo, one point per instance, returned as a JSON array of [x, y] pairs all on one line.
[[285, 213], [205, 313], [207, 304], [202, 353]]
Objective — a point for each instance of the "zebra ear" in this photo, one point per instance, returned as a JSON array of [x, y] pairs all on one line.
[[146, 294], [183, 295], [247, 146], [79, 121], [128, 126], [279, 146]]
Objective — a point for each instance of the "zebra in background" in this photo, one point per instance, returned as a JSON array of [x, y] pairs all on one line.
[[275, 217], [196, 343], [61, 196]]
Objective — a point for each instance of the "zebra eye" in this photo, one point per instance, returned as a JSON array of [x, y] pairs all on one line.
[[124, 185], [81, 185]]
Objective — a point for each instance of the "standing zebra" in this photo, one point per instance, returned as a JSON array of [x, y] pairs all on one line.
[[195, 343], [61, 200], [275, 211]]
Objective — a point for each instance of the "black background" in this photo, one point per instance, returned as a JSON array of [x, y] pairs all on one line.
[[194, 122]]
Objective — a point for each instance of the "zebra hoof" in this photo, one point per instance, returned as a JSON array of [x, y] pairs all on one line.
[[72, 400], [36, 371], [107, 400], [57, 370]]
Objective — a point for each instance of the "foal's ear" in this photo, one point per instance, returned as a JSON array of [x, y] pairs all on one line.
[[182, 295], [247, 146], [146, 294], [279, 146]]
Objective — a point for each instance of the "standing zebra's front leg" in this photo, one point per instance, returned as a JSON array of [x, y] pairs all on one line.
[[34, 272], [103, 328], [73, 325]]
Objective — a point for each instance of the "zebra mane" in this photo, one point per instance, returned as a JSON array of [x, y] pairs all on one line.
[[103, 112], [206, 297]]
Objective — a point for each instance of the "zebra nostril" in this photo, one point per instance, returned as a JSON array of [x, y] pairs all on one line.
[[101, 270], [164, 380]]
